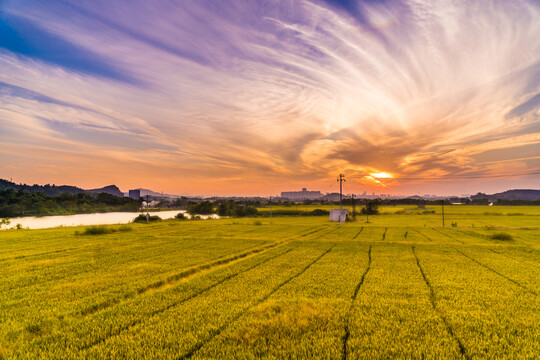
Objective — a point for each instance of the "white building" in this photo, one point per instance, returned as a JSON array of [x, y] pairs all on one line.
[[335, 214], [301, 195]]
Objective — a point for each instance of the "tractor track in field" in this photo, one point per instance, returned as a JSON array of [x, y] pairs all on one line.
[[432, 299], [358, 233], [424, 235], [38, 254], [472, 233], [178, 302], [70, 275], [521, 261], [215, 333], [133, 259], [448, 236], [498, 273], [347, 334], [175, 278], [326, 233], [313, 231]]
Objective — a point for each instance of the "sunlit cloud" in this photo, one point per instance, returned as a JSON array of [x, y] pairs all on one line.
[[241, 96]]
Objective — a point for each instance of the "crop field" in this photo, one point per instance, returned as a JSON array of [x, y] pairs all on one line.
[[400, 286]]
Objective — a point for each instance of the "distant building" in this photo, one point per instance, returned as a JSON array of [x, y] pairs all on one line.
[[135, 194], [335, 214], [301, 195], [332, 197]]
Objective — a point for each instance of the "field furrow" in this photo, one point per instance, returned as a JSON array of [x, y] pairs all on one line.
[[347, 335]]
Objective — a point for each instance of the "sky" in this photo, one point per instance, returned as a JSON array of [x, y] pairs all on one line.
[[247, 97]]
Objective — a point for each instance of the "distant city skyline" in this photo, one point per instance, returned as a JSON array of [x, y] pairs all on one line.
[[253, 98]]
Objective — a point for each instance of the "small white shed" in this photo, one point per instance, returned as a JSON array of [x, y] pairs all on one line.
[[336, 213]]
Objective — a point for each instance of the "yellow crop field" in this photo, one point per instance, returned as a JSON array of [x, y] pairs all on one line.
[[400, 286]]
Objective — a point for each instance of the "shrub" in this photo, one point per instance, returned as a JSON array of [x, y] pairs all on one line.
[[502, 236], [142, 218], [257, 223], [180, 216], [97, 230]]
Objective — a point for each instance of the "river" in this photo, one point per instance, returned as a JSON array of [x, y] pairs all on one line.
[[43, 222]]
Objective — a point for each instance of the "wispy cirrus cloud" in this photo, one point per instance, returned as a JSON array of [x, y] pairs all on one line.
[[241, 95]]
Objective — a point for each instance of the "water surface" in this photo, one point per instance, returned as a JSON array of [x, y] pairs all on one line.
[[43, 222]]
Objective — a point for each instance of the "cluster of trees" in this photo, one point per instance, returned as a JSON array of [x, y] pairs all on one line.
[[202, 208], [231, 208], [225, 208], [21, 203]]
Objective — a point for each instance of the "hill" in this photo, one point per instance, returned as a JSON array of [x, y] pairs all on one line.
[[111, 189], [516, 194], [53, 190]]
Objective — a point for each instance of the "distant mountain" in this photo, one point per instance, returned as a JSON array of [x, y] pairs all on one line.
[[53, 190], [528, 195], [48, 189], [111, 189]]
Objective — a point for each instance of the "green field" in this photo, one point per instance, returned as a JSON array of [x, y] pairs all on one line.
[[400, 286]]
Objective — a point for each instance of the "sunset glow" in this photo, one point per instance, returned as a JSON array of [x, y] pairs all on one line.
[[381, 175], [248, 98]]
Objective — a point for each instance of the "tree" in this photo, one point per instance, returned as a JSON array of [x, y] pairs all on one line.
[[371, 208], [224, 209]]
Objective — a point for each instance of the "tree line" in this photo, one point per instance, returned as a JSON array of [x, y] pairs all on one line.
[[15, 203]]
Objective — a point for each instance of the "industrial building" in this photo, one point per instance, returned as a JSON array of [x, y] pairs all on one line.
[[135, 194], [302, 195]]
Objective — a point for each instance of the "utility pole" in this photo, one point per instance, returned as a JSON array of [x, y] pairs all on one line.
[[353, 208], [341, 179], [147, 206], [442, 202]]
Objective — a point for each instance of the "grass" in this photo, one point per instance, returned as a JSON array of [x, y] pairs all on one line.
[[401, 286]]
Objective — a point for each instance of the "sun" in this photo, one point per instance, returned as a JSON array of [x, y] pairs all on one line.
[[382, 175]]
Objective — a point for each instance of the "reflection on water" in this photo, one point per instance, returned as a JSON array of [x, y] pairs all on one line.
[[87, 219]]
